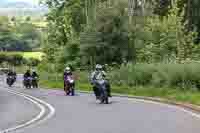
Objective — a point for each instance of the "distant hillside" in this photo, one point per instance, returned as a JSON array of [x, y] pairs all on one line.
[[21, 9]]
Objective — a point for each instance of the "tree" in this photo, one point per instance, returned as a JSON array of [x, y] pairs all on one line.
[[28, 19], [169, 37], [108, 41], [20, 36], [65, 22]]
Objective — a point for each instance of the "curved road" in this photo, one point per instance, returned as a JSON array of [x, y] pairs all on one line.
[[81, 114], [15, 110]]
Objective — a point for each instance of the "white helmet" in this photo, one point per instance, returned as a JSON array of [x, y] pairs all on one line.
[[67, 69], [98, 66]]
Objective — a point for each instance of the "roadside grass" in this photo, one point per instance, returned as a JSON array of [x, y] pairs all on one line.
[[37, 55], [175, 94], [27, 55], [41, 24]]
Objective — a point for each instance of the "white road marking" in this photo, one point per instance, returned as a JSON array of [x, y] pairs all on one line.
[[38, 103]]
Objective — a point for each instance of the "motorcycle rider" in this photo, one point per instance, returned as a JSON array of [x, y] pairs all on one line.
[[67, 72], [99, 74], [12, 74], [35, 76], [27, 74]]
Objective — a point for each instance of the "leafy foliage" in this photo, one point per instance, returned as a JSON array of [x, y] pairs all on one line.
[[16, 35], [169, 40], [84, 33], [108, 42]]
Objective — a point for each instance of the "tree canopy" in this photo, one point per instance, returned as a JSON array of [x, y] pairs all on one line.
[[18, 35], [86, 32]]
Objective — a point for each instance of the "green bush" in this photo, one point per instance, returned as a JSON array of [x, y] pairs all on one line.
[[158, 75], [12, 59]]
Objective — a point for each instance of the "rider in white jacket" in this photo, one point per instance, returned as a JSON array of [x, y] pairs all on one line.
[[98, 74]]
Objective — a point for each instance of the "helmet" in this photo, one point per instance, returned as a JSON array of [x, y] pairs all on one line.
[[33, 70], [67, 69], [98, 67]]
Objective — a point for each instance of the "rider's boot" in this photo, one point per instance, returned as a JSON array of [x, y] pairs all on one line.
[[72, 91], [109, 90], [96, 92]]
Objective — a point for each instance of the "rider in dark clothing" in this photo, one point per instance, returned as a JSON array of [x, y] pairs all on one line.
[[27, 74], [34, 74], [69, 83], [12, 74], [67, 73], [35, 77]]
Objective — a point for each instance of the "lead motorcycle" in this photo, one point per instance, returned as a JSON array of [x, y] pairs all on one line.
[[10, 80], [69, 85], [103, 90]]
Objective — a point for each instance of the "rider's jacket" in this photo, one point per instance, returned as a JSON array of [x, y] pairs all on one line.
[[27, 74], [97, 75], [65, 76], [34, 75]]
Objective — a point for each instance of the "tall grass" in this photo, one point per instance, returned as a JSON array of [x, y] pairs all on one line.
[[185, 76]]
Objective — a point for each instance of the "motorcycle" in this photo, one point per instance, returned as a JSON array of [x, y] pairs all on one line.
[[27, 82], [35, 82], [102, 87], [69, 85], [10, 80]]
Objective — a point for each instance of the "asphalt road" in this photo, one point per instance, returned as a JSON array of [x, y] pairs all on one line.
[[82, 114], [15, 110]]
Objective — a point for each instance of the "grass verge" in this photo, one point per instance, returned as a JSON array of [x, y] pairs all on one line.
[[175, 94], [27, 55], [37, 55]]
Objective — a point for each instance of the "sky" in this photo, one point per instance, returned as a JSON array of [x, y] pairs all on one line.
[[28, 1]]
